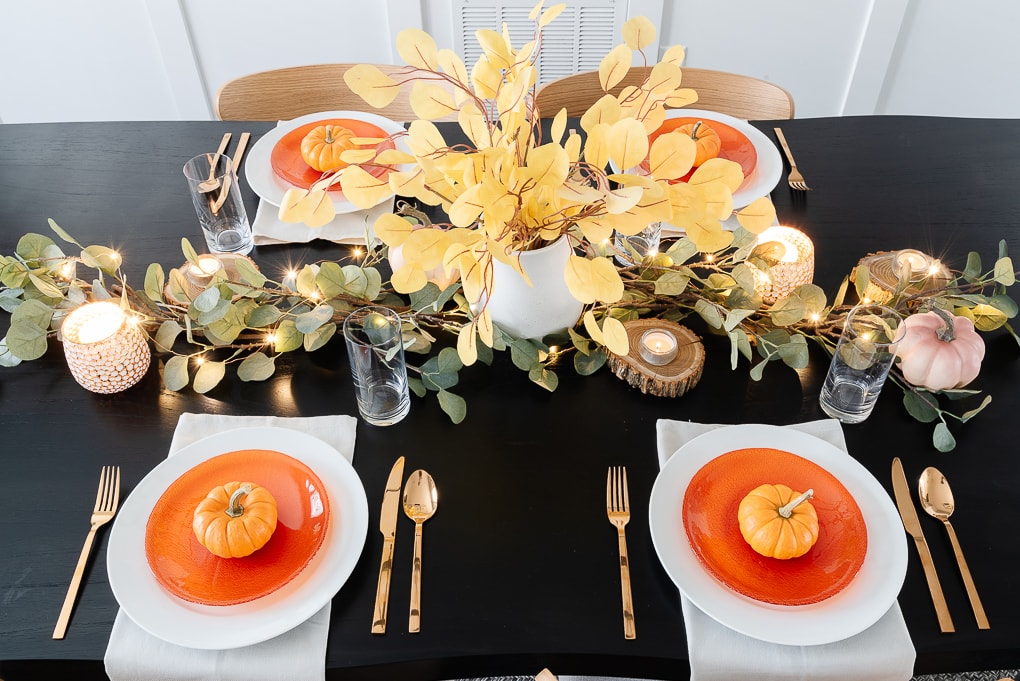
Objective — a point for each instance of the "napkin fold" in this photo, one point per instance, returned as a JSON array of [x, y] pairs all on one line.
[[297, 655], [883, 652], [345, 228]]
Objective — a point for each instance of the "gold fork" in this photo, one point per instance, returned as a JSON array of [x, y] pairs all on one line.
[[618, 510], [107, 499], [796, 180]]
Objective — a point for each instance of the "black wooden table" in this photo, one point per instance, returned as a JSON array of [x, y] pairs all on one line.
[[521, 560]]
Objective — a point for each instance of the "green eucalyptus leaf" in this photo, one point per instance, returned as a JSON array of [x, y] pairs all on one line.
[[769, 342], [306, 281], [99, 291], [26, 340], [588, 364], [208, 376], [288, 338], [310, 321], [1004, 304], [484, 353], [357, 281], [155, 281], [967, 416], [179, 287], [10, 298], [543, 377], [33, 246], [175, 373], [208, 300], [75, 294], [788, 311], [435, 379], [7, 358], [1003, 248], [710, 313], [741, 299], [682, 250], [425, 298], [919, 408], [416, 386], [671, 283], [580, 342], [841, 293], [374, 286], [167, 335], [454, 405], [331, 279], [32, 312], [449, 360], [228, 327], [256, 367], [218, 312], [189, 251], [942, 438], [46, 287], [1004, 271], [744, 277], [960, 393], [795, 353], [101, 258], [972, 271], [734, 317], [318, 337], [862, 277], [758, 369], [249, 273], [263, 316], [523, 353], [13, 274], [813, 297], [59, 231]]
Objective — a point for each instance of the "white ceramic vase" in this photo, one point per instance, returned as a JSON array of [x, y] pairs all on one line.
[[540, 309]]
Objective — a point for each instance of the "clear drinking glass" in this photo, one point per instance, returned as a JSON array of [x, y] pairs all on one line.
[[217, 198], [861, 362], [376, 353], [633, 249]]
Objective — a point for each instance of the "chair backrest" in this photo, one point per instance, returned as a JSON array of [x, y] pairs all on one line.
[[283, 94], [729, 93]]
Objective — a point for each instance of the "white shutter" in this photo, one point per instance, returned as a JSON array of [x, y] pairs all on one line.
[[575, 41]]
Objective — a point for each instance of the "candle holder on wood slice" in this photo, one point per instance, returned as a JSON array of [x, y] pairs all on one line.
[[672, 379], [886, 267], [197, 280]]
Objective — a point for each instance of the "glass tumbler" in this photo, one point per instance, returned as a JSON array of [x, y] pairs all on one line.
[[861, 362], [216, 195], [376, 352]]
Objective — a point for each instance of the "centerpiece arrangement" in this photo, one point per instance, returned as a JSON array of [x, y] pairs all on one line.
[[515, 189]]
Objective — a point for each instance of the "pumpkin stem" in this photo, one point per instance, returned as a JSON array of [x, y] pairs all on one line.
[[694, 131], [234, 508], [329, 135], [948, 331], [787, 510]]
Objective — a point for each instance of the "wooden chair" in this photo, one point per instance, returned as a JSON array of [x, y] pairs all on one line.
[[283, 94], [729, 93]]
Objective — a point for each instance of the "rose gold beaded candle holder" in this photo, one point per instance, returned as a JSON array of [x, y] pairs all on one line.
[[106, 351], [795, 266]]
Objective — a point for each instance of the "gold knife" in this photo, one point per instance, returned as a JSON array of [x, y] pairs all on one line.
[[388, 527], [913, 527]]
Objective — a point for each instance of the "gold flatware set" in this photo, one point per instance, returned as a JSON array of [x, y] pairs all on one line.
[[212, 183], [107, 500], [420, 501], [936, 499]]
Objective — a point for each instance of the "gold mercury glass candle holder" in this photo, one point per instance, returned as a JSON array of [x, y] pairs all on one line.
[[795, 264], [106, 350]]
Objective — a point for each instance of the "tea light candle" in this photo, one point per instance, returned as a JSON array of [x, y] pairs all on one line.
[[105, 350], [202, 273], [658, 346], [796, 265]]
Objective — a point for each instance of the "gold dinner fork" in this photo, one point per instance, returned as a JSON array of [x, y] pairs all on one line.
[[618, 510], [107, 499], [796, 180]]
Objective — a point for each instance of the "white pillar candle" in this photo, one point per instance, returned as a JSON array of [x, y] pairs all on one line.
[[658, 346]]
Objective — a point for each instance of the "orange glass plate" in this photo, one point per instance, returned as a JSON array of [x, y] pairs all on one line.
[[189, 571], [290, 166], [710, 521], [735, 146]]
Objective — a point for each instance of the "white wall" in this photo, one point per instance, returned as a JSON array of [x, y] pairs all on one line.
[[66, 60]]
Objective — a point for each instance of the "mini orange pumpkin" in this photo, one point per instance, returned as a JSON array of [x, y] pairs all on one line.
[[706, 139], [322, 146], [232, 530], [778, 522]]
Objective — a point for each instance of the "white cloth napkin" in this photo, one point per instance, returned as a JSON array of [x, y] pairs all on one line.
[[297, 655], [882, 652], [345, 228]]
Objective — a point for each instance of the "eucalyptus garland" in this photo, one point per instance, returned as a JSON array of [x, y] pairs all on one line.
[[246, 321]]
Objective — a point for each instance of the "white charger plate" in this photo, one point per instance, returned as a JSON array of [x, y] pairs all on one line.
[[258, 169], [220, 627], [859, 605]]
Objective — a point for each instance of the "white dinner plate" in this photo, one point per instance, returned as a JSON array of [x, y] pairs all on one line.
[[258, 169], [220, 627], [867, 597]]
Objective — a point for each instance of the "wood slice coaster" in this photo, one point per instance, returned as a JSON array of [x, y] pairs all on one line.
[[229, 262], [668, 380]]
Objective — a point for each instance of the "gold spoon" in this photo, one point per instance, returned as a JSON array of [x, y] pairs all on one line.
[[420, 502], [210, 183], [937, 501]]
